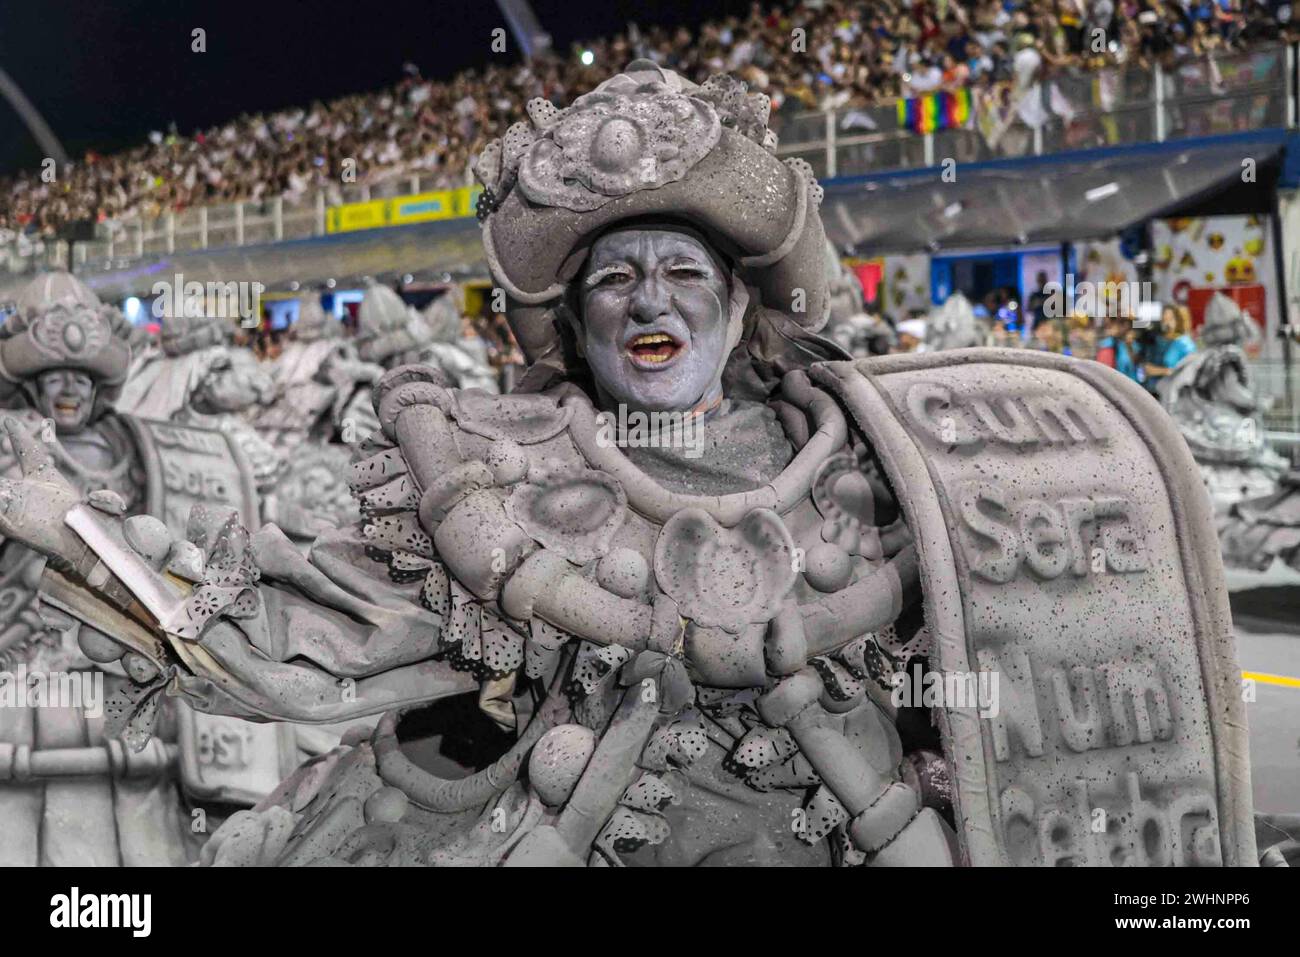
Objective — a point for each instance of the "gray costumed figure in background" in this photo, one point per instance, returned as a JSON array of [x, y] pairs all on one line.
[[201, 378], [454, 348], [70, 792], [391, 333], [317, 377], [848, 323], [954, 325], [1212, 397]]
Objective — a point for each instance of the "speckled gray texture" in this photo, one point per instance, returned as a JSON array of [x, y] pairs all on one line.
[[1065, 543]]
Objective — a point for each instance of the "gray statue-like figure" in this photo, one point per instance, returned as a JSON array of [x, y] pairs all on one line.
[[1213, 399], [954, 325], [69, 792], [462, 357], [391, 333], [698, 566], [73, 792], [848, 323], [317, 377], [201, 378], [1257, 532]]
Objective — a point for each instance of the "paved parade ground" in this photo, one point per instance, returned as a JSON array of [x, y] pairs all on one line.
[[1274, 717]]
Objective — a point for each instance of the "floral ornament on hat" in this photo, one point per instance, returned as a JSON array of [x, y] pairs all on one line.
[[641, 129], [70, 334], [738, 109], [60, 323], [609, 144]]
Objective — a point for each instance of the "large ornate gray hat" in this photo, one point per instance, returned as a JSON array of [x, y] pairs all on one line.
[[648, 144], [61, 324]]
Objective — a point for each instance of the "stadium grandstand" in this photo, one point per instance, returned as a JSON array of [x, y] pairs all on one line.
[[853, 58]]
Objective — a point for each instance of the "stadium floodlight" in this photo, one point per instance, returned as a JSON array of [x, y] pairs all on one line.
[[35, 123], [523, 24]]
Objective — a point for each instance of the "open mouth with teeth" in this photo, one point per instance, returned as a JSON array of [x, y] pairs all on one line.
[[67, 407], [653, 350]]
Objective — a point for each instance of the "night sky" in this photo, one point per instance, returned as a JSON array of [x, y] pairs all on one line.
[[104, 73]]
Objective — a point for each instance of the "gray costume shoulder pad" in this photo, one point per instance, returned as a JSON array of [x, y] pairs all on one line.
[[446, 490], [1066, 548]]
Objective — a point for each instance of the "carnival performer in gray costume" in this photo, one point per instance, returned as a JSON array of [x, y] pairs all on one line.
[[954, 325], [1259, 531], [70, 793], [317, 377], [1213, 399], [178, 442], [199, 377], [673, 566], [391, 333], [202, 379], [848, 323], [462, 357]]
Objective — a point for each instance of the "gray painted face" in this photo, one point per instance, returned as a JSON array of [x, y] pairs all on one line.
[[654, 320], [66, 396]]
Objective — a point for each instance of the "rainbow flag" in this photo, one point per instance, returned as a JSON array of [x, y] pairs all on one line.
[[935, 111]]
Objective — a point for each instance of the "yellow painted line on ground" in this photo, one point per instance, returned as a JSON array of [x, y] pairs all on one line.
[[1268, 679]]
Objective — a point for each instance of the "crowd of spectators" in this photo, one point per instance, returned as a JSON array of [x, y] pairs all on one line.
[[813, 54], [1145, 350]]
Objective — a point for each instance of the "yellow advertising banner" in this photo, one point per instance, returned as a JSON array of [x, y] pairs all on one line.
[[466, 200], [417, 208], [423, 207], [350, 216]]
